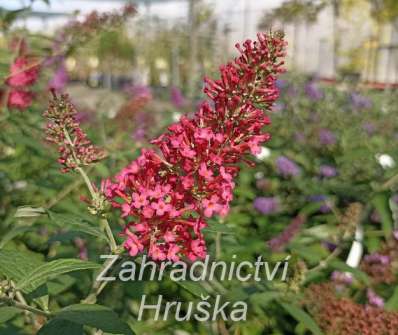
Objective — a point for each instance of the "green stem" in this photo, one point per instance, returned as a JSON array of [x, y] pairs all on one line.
[[88, 183], [25, 307], [112, 242], [99, 286]]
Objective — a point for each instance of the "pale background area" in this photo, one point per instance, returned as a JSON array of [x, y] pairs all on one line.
[[310, 45]]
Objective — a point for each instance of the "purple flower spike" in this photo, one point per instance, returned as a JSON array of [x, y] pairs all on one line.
[[359, 101], [327, 171], [327, 137], [374, 299], [287, 167], [267, 205], [177, 98], [313, 91]]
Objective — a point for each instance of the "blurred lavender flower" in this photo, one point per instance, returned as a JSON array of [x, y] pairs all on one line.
[[395, 198], [374, 299], [341, 278], [281, 83], [327, 137], [377, 258], [177, 98], [359, 101], [141, 91], [278, 242], [267, 205], [327, 171], [326, 206], [369, 128], [138, 134], [278, 107], [84, 116], [287, 167], [60, 78], [395, 234], [313, 91]]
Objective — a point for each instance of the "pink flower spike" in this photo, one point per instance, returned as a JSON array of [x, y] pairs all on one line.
[[211, 206], [148, 212], [188, 153], [157, 192], [204, 134], [139, 200], [225, 174], [254, 147], [161, 207], [172, 253], [156, 253], [125, 210], [169, 237], [174, 213], [205, 173]]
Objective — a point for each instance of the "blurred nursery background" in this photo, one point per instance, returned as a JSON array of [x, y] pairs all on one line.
[[323, 190]]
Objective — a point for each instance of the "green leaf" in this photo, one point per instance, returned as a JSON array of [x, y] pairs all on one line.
[[381, 203], [51, 270], [301, 316], [321, 231], [13, 233], [95, 316], [61, 327], [75, 223], [392, 303], [218, 228], [264, 298], [29, 212], [193, 287], [7, 313], [311, 208], [15, 264], [341, 266], [60, 284]]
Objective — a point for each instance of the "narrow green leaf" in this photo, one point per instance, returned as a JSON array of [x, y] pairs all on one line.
[[193, 287], [264, 298], [51, 270], [29, 212], [96, 316], [60, 284], [61, 327], [341, 266], [301, 316], [14, 232], [392, 303], [7, 313], [218, 228], [381, 204], [15, 264], [75, 223]]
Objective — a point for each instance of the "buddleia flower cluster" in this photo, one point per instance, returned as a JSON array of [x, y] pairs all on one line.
[[166, 195], [342, 316]]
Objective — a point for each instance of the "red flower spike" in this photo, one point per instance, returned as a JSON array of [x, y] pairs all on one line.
[[200, 158]]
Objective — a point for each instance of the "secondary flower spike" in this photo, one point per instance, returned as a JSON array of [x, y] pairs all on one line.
[[167, 196], [63, 129]]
